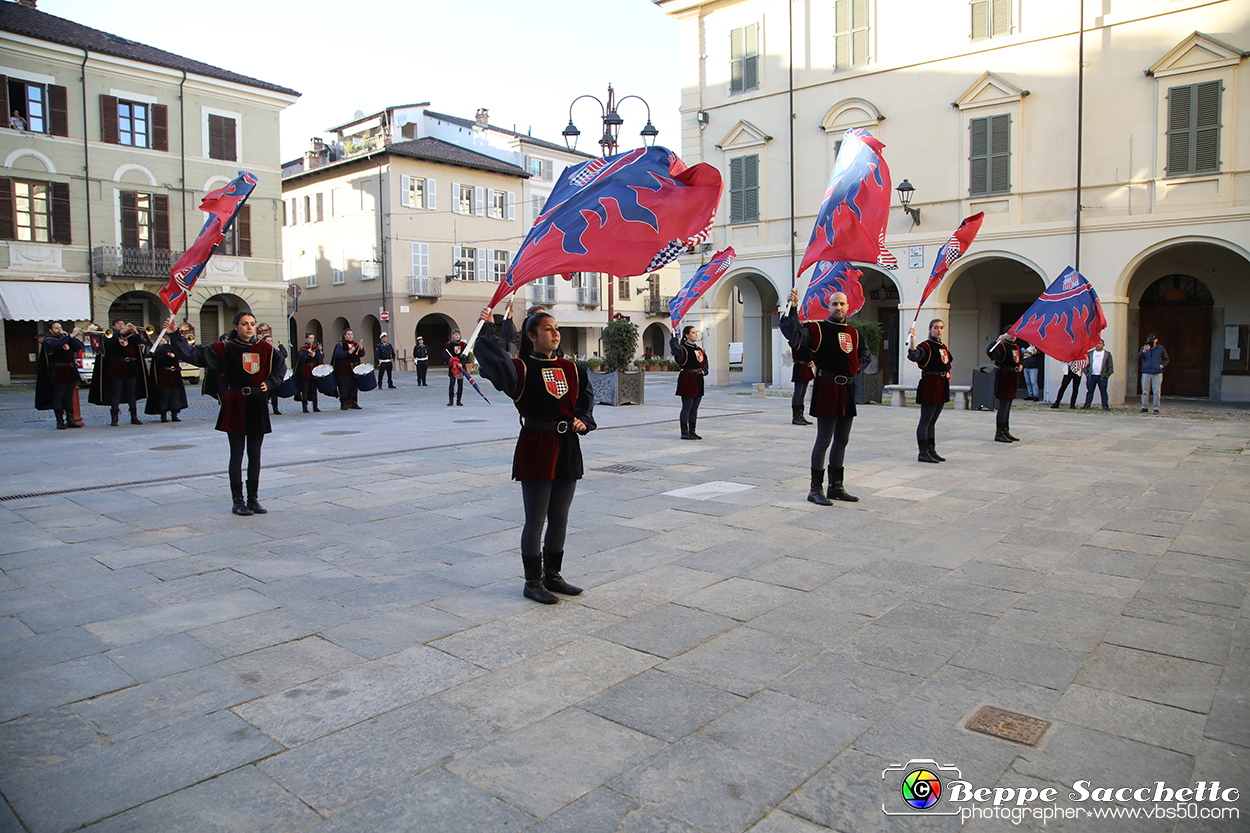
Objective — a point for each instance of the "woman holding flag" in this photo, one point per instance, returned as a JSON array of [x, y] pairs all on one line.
[[556, 404], [934, 390], [693, 363]]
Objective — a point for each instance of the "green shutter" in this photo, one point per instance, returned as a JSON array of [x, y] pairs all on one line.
[[1207, 128], [736, 184], [751, 58], [842, 33], [1180, 130], [980, 19], [859, 32], [735, 61], [979, 157], [1000, 154], [1001, 18], [751, 191]]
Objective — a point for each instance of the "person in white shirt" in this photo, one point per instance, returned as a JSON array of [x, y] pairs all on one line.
[[1097, 372], [16, 121]]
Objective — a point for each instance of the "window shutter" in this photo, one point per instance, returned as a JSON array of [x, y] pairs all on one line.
[[108, 120], [228, 144], [751, 195], [479, 201], [160, 222], [299, 211], [750, 61], [842, 33], [4, 99], [859, 32], [980, 19], [431, 194], [1000, 154], [979, 157], [736, 184], [405, 190], [735, 60], [1207, 128], [61, 221], [160, 127], [489, 261], [320, 206], [480, 257], [511, 205], [455, 197], [215, 140], [547, 170], [1002, 17], [58, 111], [243, 229], [130, 220], [8, 226]]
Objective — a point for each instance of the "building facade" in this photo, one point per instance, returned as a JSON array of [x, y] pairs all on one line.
[[108, 148], [982, 105]]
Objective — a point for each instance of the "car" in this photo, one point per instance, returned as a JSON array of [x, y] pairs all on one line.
[[86, 362], [735, 353]]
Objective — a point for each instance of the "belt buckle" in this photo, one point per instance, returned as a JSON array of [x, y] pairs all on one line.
[[246, 391], [562, 427]]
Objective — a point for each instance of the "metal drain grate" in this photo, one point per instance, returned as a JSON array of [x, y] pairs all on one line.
[[621, 469], [1011, 726], [171, 447], [337, 433]]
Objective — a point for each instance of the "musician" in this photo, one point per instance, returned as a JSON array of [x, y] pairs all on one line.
[[166, 390], [454, 349], [836, 351], [347, 355], [693, 362], [803, 373], [421, 355], [56, 376], [556, 404], [384, 353], [273, 392], [243, 370], [1005, 354], [119, 373], [310, 356], [934, 390]]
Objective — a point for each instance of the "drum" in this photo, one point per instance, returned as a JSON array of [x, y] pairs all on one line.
[[327, 385], [289, 387], [366, 379]]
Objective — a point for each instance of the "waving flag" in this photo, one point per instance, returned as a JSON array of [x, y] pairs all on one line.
[[851, 222], [951, 251], [702, 281], [827, 278], [222, 206], [625, 215], [885, 259], [1066, 321]]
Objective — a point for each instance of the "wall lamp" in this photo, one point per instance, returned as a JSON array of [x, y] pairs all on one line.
[[905, 193]]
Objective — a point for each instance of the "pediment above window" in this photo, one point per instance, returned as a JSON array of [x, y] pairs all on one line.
[[848, 113], [743, 135], [990, 90], [1197, 52]]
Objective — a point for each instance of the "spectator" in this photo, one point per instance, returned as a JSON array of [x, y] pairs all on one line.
[[1153, 359], [1097, 372]]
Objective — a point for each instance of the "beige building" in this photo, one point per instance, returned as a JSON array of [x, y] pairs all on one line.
[[981, 107], [112, 146]]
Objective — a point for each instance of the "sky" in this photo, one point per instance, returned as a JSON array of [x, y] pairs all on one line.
[[524, 61]]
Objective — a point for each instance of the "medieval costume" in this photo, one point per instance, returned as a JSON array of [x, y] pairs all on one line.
[[119, 373], [56, 378], [166, 390], [932, 393]]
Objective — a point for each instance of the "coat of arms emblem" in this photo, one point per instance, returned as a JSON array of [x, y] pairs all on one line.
[[251, 363], [846, 342], [554, 381]]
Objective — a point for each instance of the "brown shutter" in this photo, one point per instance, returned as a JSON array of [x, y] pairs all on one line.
[[4, 99], [108, 120], [160, 222], [243, 229], [8, 230], [61, 221], [214, 137], [227, 144], [130, 220], [160, 127], [58, 110]]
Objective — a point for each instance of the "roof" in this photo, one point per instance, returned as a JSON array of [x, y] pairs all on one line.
[[430, 150], [33, 23], [525, 137], [358, 119]]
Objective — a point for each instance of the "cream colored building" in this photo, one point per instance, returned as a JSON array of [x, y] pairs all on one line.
[[980, 106], [116, 145]]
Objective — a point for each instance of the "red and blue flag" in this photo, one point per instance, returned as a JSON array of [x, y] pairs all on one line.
[[702, 281], [222, 206], [1066, 322], [827, 278], [627, 214], [851, 222], [951, 251]]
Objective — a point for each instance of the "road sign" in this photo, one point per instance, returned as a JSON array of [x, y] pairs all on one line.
[[386, 316], [293, 290]]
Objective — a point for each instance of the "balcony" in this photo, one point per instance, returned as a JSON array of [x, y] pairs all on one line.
[[656, 305], [425, 287], [542, 295], [120, 262], [587, 297]]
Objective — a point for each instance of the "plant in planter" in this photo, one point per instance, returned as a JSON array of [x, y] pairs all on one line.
[[617, 385], [868, 388]]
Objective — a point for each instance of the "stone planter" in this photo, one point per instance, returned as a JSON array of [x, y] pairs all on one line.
[[617, 388]]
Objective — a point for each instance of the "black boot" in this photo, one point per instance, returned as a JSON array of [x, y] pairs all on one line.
[[933, 452], [693, 435], [534, 588], [1010, 438], [552, 561], [685, 431], [60, 421], [1000, 437], [239, 508], [173, 416], [796, 417], [113, 413], [817, 493], [836, 492], [924, 456], [253, 488], [1054, 405], [134, 417], [316, 410], [305, 407], [163, 419]]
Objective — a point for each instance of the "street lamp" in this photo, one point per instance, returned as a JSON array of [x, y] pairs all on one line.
[[905, 193]]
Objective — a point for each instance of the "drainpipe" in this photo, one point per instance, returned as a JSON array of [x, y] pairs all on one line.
[[1080, 127], [86, 166], [793, 276], [182, 182]]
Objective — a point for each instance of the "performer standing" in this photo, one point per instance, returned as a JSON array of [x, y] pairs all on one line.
[[421, 356], [1072, 376], [385, 356], [934, 391], [693, 362], [273, 391], [803, 373], [347, 354], [835, 348], [166, 390], [242, 369], [1005, 354], [120, 373], [554, 399], [56, 376], [309, 356], [454, 349]]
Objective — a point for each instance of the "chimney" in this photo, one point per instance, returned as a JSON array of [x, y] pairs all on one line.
[[483, 116], [316, 155], [30, 4]]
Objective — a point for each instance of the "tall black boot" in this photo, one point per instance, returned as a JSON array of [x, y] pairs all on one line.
[[236, 492], [836, 492], [534, 588], [113, 414], [173, 416], [552, 561], [933, 452], [134, 416], [796, 417], [817, 493], [685, 431], [693, 435], [924, 456], [1007, 434], [253, 488], [60, 420]]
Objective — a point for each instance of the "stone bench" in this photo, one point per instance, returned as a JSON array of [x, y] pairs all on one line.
[[898, 395]]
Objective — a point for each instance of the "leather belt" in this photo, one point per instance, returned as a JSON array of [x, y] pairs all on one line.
[[246, 391], [838, 380], [561, 427], [129, 359]]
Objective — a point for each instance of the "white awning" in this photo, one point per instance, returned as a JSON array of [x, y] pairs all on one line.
[[44, 301]]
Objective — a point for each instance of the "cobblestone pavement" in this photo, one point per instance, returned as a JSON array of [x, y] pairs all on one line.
[[361, 658]]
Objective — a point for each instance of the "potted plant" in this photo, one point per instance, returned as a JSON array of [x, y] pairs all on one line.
[[616, 385], [868, 386]]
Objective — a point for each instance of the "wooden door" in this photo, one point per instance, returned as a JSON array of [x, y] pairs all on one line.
[[1185, 332], [889, 353], [20, 345]]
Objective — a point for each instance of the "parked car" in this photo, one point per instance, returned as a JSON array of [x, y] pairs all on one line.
[[735, 353], [86, 362]]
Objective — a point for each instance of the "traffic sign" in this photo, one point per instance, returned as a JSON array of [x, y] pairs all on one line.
[[386, 316], [294, 290]]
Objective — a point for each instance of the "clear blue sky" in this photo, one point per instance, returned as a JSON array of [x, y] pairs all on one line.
[[524, 61]]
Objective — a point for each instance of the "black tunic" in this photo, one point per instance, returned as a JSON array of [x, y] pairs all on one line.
[[934, 359]]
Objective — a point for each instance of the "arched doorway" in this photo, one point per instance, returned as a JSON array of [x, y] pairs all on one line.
[[138, 308], [436, 330], [217, 316], [881, 296], [986, 297], [1177, 308], [336, 330], [313, 326], [655, 340], [370, 333], [742, 310]]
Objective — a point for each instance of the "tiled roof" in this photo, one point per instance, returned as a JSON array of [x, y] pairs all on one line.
[[33, 23], [436, 150], [523, 136]]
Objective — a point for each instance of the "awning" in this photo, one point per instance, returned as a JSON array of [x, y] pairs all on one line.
[[44, 301]]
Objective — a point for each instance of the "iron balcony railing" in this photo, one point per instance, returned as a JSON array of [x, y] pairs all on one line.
[[425, 287], [587, 296], [123, 262], [542, 295], [657, 305]]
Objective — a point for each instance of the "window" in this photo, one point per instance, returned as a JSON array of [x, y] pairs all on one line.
[[307, 216], [622, 289], [850, 37], [990, 18], [412, 191], [238, 240], [337, 277], [990, 156], [465, 268], [464, 199], [744, 59], [132, 124], [540, 168], [744, 189], [285, 214], [311, 280], [498, 204], [221, 138], [539, 202], [420, 260], [145, 220], [501, 265], [31, 210], [39, 108], [1194, 129], [320, 204]]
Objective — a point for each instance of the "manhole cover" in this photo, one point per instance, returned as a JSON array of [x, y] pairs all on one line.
[[621, 469], [1012, 726], [337, 433], [462, 421], [171, 447]]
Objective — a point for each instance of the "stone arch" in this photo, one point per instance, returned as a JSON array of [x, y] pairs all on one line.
[[758, 335], [850, 112], [655, 339], [12, 158], [131, 167], [337, 327], [215, 182], [436, 329], [370, 332], [138, 307], [985, 297], [311, 326], [217, 314]]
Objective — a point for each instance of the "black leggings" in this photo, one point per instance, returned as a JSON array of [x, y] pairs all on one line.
[[690, 409], [800, 391], [1004, 414], [929, 413], [831, 429], [237, 442], [545, 501], [1076, 388]]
